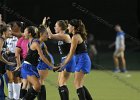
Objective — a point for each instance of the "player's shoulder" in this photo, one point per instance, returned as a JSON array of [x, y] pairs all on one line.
[[36, 42], [76, 35], [121, 36]]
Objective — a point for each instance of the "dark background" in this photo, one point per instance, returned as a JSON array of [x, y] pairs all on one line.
[[123, 12]]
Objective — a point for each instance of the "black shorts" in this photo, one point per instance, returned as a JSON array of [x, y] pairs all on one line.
[[10, 68], [11, 58]]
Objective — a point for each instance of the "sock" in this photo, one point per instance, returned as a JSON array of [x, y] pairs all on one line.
[[16, 90], [81, 94], [6, 79], [124, 68], [31, 94], [42, 93], [10, 90], [59, 89], [88, 96], [117, 67], [22, 93], [64, 92], [1, 88]]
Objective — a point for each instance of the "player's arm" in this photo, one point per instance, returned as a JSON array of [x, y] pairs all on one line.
[[18, 51], [44, 22], [55, 36], [48, 54], [112, 45], [46, 49], [17, 54], [44, 59], [73, 47]]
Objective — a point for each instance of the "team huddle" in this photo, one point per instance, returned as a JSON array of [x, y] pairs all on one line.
[[25, 59]]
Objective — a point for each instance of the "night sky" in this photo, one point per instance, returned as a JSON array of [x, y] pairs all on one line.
[[123, 12]]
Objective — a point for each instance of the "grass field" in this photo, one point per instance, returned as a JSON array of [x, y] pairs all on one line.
[[103, 85]]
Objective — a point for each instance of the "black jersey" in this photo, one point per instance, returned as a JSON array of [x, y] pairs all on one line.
[[2, 64], [44, 51], [63, 47], [81, 48], [32, 55]]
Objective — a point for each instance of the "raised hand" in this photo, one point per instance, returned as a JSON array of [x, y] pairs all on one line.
[[49, 32], [44, 21], [48, 18]]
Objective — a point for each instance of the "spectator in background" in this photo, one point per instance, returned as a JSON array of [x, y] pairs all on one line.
[[92, 49], [119, 50]]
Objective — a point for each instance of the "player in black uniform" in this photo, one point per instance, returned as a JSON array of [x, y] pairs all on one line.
[[83, 63], [64, 47], [42, 66], [29, 66]]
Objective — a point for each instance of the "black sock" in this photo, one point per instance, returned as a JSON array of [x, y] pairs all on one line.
[[42, 93], [31, 94], [81, 94], [22, 93], [64, 92], [88, 96]]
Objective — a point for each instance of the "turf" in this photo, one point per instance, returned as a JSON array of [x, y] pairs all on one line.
[[103, 85]]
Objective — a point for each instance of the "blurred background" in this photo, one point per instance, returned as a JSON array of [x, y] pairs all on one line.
[[102, 83], [123, 12]]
